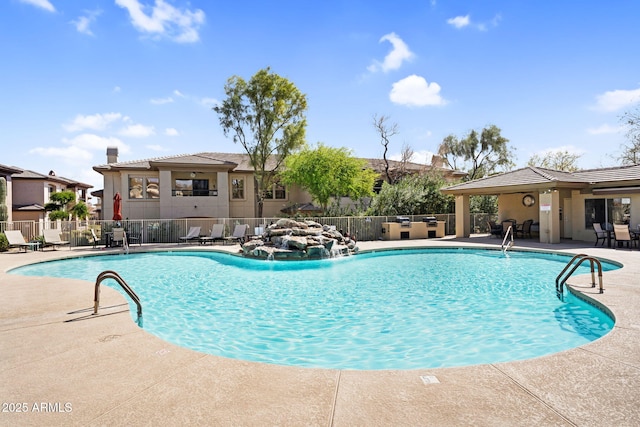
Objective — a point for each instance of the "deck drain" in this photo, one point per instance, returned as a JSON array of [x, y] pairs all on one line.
[[429, 379]]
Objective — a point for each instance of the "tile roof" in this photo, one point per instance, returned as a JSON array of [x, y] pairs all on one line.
[[29, 174], [242, 163], [549, 178]]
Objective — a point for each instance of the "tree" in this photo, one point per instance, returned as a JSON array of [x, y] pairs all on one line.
[[58, 207], [327, 172], [560, 160], [478, 155], [80, 210], [631, 152], [266, 116], [386, 131], [413, 195]]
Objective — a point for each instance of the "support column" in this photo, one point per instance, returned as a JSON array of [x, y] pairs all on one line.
[[550, 217], [463, 216]]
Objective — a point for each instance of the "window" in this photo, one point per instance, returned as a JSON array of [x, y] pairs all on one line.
[[153, 188], [607, 211], [193, 187], [144, 187], [237, 188], [135, 187], [277, 192]]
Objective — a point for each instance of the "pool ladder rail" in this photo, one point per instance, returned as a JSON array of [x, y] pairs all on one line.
[[578, 260], [506, 244], [110, 274]]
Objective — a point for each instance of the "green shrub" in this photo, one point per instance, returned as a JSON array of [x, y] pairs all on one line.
[[4, 243]]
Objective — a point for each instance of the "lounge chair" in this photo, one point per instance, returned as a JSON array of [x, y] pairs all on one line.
[[600, 233], [193, 234], [623, 235], [15, 238], [52, 238], [217, 232], [238, 234]]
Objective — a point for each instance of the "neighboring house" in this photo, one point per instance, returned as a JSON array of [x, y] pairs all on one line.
[[565, 204], [32, 191], [214, 185], [7, 172]]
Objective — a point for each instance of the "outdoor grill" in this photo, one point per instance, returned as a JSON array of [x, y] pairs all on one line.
[[430, 220], [433, 228], [403, 221]]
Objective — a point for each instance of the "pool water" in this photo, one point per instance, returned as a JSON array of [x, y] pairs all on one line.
[[421, 308]]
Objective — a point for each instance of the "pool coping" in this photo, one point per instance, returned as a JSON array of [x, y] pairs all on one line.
[[71, 368]]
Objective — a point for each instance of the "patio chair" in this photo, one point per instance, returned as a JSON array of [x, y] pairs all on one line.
[[52, 238], [600, 233], [134, 238], [508, 223], [15, 238], [217, 232], [623, 235], [94, 237], [193, 234], [494, 229], [238, 233], [524, 229], [119, 237]]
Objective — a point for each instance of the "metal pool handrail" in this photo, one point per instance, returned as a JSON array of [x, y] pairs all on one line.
[[509, 244], [580, 259], [110, 274]]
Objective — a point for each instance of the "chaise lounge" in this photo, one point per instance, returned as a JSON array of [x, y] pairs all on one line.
[[15, 238], [193, 234], [217, 232], [52, 238]]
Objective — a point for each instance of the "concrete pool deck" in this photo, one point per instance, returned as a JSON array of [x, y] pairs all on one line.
[[60, 365]]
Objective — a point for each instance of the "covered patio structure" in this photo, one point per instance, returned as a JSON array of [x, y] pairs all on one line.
[[563, 205]]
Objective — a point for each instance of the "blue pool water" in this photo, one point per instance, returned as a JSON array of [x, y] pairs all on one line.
[[421, 308]]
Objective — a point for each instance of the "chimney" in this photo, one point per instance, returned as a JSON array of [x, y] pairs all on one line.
[[437, 161], [112, 155]]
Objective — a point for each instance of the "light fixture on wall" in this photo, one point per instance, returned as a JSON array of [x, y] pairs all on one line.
[[193, 174]]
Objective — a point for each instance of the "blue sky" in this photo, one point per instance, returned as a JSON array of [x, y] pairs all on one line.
[[78, 76]]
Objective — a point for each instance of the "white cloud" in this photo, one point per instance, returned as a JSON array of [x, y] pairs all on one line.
[[422, 156], [396, 57], [137, 131], [178, 93], [604, 129], [68, 154], [94, 122], [116, 89], [416, 91], [95, 142], [465, 21], [615, 100], [171, 132], [83, 22], [43, 4], [163, 19], [209, 102], [459, 21], [161, 101]]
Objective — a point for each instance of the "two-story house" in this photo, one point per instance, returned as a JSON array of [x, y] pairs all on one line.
[[212, 185], [32, 191]]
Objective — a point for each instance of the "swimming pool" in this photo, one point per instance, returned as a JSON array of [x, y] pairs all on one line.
[[418, 308]]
